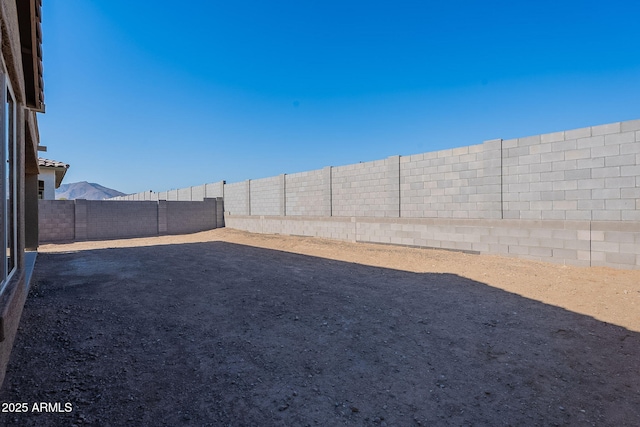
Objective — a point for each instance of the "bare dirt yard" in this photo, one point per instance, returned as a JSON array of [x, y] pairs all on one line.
[[229, 328]]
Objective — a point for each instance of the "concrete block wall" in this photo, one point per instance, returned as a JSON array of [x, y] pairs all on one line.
[[615, 244], [69, 220], [309, 193], [56, 220], [191, 217], [214, 190], [457, 183], [337, 228], [191, 194], [590, 173], [237, 198], [367, 189], [219, 212], [267, 196], [581, 243], [118, 219], [197, 193], [184, 194], [571, 196]]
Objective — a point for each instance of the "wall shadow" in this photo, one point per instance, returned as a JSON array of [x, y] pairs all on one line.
[[223, 334]]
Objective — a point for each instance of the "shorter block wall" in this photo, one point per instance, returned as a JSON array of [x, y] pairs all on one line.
[[118, 219], [56, 220], [77, 220], [191, 217], [582, 243]]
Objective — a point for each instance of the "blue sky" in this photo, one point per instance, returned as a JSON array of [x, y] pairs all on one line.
[[156, 95]]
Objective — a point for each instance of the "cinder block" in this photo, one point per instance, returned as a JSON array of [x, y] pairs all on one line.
[[577, 133], [552, 137], [584, 153], [589, 205], [552, 195], [606, 193], [541, 167], [578, 194], [568, 254], [619, 138], [592, 141], [541, 205], [553, 215], [584, 255], [620, 160], [620, 204], [506, 143], [610, 172], [564, 165], [620, 258], [552, 176], [569, 144], [605, 151], [591, 183], [630, 125], [529, 140], [540, 148], [577, 174], [565, 185], [529, 159], [565, 205], [618, 236], [626, 181], [606, 129], [605, 215], [630, 193], [630, 170], [630, 148]]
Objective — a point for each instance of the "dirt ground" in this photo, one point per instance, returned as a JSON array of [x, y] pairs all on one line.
[[229, 328]]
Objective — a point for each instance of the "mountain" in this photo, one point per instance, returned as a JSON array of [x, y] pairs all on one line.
[[85, 190]]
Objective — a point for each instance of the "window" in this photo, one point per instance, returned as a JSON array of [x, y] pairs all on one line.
[[40, 189], [8, 203]]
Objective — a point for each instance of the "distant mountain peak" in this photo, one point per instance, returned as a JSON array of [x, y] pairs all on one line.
[[85, 190]]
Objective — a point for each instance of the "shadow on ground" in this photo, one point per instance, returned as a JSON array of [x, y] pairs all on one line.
[[223, 334]]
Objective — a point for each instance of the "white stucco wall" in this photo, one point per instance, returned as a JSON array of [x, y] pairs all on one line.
[[49, 178]]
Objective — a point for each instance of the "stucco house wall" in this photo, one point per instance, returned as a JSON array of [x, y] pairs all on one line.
[[21, 97]]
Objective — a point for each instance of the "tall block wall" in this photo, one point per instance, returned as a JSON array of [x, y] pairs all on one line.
[[190, 194], [571, 197], [267, 196], [309, 193], [237, 198], [457, 183], [366, 189], [584, 174]]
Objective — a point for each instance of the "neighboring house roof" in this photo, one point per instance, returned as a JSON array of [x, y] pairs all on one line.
[[59, 168]]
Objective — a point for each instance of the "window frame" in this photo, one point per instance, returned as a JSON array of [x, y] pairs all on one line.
[[8, 183]]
